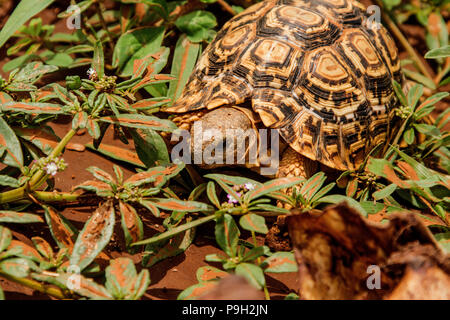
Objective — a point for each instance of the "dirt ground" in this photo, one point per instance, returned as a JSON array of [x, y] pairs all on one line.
[[171, 276]]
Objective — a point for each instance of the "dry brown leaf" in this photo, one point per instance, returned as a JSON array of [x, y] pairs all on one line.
[[335, 252]]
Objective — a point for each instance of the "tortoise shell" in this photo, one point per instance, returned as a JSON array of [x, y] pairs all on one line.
[[316, 70]]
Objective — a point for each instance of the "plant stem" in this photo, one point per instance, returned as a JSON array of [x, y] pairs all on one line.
[[258, 260], [399, 35], [55, 196], [175, 231], [226, 7], [35, 285], [104, 26], [38, 178]]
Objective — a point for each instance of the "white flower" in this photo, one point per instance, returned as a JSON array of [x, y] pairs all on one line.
[[249, 186], [51, 168], [91, 72]]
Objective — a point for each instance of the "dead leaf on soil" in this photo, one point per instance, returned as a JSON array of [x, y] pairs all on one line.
[[339, 253]]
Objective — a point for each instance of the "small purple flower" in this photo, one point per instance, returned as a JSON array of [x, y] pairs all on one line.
[[231, 199]]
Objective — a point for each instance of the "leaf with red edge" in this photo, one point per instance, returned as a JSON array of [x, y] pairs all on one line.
[[180, 205], [208, 273], [227, 234], [62, 231], [197, 290], [131, 223], [156, 175], [98, 62], [43, 247], [174, 246], [273, 185], [352, 187], [5, 238], [8, 216], [141, 121], [151, 207], [32, 107], [146, 104], [4, 98], [118, 153], [253, 222], [101, 175], [141, 284], [312, 185], [22, 250], [120, 277], [83, 286], [185, 57], [102, 189], [280, 262], [13, 155], [95, 235]]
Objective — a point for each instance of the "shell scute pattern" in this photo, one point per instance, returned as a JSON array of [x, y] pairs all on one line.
[[313, 69]]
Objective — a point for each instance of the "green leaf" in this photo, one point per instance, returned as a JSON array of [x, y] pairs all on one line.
[[227, 234], [419, 78], [32, 107], [43, 247], [252, 273], [17, 267], [120, 277], [184, 59], [280, 262], [13, 155], [101, 175], [254, 253], [8, 181], [98, 62], [442, 52], [197, 24], [208, 273], [62, 231], [32, 72], [196, 291], [132, 226], [409, 135], [141, 122], [385, 192], [399, 92], [337, 198], [180, 205], [136, 44], [150, 147], [253, 222], [178, 244], [19, 217], [23, 11], [414, 95], [5, 238], [117, 153], [273, 185], [95, 236], [212, 195]]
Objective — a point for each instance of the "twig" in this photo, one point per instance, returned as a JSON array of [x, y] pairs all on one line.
[[225, 6], [399, 35], [35, 285]]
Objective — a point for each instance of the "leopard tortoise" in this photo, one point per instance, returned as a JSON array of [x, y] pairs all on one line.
[[316, 70]]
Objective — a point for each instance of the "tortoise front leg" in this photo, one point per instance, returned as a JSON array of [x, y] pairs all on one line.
[[293, 164]]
